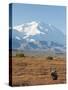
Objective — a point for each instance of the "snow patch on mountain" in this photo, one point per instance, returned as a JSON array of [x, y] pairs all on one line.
[[18, 28], [18, 38], [32, 40], [49, 24], [29, 29], [46, 29]]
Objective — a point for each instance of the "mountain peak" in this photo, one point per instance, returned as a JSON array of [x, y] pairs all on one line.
[[29, 29], [36, 30], [36, 35]]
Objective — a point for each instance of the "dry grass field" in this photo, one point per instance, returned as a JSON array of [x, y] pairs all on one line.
[[32, 70]]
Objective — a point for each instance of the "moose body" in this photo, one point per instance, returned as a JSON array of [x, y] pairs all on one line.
[[54, 74]]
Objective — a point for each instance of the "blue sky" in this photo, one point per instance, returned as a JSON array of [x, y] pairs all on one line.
[[55, 15]]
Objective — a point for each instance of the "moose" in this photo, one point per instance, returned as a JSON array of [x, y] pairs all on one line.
[[54, 74]]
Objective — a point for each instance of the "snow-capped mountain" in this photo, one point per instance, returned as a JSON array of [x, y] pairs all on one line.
[[37, 36]]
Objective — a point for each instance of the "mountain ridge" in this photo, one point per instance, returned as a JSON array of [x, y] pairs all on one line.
[[37, 35]]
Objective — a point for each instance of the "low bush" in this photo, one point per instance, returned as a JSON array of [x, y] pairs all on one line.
[[20, 55], [50, 57]]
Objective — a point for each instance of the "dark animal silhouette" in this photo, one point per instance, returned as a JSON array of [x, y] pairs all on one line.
[[54, 74]]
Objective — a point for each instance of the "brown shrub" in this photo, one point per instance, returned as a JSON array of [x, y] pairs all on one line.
[[50, 57], [20, 55]]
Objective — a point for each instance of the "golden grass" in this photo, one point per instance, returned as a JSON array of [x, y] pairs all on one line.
[[36, 70]]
